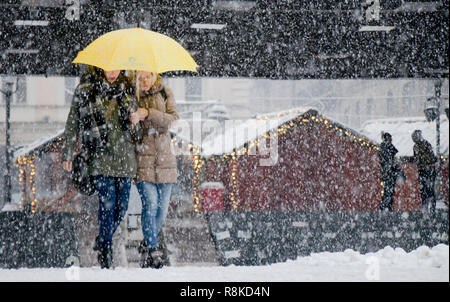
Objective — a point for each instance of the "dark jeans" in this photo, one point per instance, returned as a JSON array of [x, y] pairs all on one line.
[[113, 196], [426, 186], [388, 194]]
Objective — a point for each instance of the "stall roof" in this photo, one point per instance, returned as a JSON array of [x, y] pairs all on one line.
[[233, 136]]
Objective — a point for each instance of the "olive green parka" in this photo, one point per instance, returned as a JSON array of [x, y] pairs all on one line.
[[111, 101]]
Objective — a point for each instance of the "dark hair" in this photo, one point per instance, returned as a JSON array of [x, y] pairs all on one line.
[[417, 135], [385, 136]]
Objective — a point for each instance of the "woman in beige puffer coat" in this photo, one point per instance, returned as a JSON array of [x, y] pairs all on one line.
[[157, 166]]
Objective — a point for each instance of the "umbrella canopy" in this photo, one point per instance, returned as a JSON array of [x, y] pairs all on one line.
[[136, 49]]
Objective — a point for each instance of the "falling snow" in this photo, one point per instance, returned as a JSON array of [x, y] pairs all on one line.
[[284, 115]]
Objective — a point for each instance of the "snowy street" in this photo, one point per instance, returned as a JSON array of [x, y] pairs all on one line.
[[388, 265]]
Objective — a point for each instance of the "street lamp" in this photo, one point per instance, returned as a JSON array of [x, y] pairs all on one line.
[[431, 108], [7, 176], [432, 112]]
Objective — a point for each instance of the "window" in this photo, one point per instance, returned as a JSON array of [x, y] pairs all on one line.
[[358, 114], [193, 89], [70, 84], [389, 104], [406, 101], [18, 87], [21, 93], [369, 107]]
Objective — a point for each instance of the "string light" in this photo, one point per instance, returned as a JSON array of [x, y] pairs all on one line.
[[380, 196], [197, 163], [27, 161], [197, 167], [233, 180], [33, 186]]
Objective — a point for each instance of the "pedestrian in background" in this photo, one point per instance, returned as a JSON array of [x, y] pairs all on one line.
[[390, 170], [425, 160]]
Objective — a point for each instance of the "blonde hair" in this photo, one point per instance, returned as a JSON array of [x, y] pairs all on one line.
[[157, 83], [159, 79], [146, 102]]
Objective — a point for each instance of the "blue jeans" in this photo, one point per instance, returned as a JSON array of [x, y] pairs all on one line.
[[155, 204], [113, 196]]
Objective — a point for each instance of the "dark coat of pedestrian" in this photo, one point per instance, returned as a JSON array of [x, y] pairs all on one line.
[[100, 114], [425, 160], [390, 170]]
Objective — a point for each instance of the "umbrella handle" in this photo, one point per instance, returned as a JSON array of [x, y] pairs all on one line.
[[137, 92], [137, 85]]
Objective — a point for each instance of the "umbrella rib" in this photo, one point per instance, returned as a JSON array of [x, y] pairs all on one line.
[[153, 52], [116, 49]]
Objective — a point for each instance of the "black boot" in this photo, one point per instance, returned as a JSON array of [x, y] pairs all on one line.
[[155, 258], [163, 248], [150, 257], [97, 244], [105, 257], [143, 251]]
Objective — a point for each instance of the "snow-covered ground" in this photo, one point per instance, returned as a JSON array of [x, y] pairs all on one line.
[[423, 264]]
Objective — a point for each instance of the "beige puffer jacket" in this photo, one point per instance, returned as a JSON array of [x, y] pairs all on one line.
[[155, 153]]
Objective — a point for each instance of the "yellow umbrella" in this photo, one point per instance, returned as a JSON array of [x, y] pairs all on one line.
[[136, 49]]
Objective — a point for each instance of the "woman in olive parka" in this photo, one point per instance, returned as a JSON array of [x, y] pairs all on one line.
[[99, 117]]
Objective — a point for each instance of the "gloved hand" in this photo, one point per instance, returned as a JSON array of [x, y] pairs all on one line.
[[401, 176]]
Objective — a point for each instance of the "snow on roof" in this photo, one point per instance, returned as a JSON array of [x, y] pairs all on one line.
[[235, 134], [401, 130], [25, 150]]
